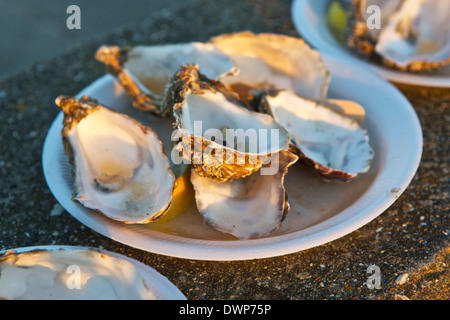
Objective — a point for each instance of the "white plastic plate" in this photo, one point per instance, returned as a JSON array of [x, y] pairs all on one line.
[[320, 211]]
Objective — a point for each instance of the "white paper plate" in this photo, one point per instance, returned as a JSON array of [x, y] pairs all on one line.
[[320, 211], [309, 17], [160, 285]]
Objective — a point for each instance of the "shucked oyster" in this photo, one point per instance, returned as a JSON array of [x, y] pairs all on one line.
[[273, 61], [119, 165], [333, 144], [359, 36], [71, 274], [145, 70], [220, 137], [253, 206], [413, 35], [239, 157], [417, 36]]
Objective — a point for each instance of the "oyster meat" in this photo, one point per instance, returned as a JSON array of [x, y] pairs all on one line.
[[238, 183], [417, 36], [273, 61], [145, 70], [333, 144], [119, 165], [253, 206], [70, 275], [219, 135], [414, 35], [359, 36]]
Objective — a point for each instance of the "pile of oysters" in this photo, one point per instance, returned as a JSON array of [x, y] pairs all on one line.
[[244, 108], [412, 35]]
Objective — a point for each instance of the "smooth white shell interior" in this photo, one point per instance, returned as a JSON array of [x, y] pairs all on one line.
[[212, 114], [120, 168], [267, 61], [246, 207], [154, 65], [418, 31], [323, 135]]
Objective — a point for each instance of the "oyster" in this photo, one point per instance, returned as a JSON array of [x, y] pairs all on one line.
[[253, 206], [417, 36], [359, 36], [273, 61], [218, 134], [145, 70], [73, 274], [333, 144], [414, 35], [119, 165]]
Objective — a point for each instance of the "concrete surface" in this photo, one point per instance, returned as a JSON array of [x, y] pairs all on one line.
[[409, 241], [32, 31]]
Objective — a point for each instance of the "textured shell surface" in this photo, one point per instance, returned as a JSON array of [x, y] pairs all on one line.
[[417, 36], [219, 134], [409, 35]]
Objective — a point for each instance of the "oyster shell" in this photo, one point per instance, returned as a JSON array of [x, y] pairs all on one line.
[[273, 61], [119, 165], [417, 36], [73, 274], [145, 70], [414, 34], [358, 35], [253, 206], [333, 144], [213, 127]]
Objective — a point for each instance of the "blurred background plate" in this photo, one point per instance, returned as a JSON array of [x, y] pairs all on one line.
[[309, 17]]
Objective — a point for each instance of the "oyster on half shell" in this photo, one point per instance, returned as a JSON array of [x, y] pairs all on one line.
[[333, 144], [417, 36], [145, 70], [273, 61], [119, 165], [71, 274], [253, 206], [219, 135], [414, 35], [359, 36]]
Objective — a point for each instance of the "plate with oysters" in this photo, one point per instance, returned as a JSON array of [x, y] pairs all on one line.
[[404, 41], [79, 273], [244, 146]]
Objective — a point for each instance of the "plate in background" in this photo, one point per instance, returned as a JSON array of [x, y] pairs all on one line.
[[309, 17]]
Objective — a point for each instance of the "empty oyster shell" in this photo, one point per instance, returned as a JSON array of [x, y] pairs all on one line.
[[66, 273], [253, 206], [333, 144], [417, 36], [145, 70], [119, 165], [273, 61], [213, 127]]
